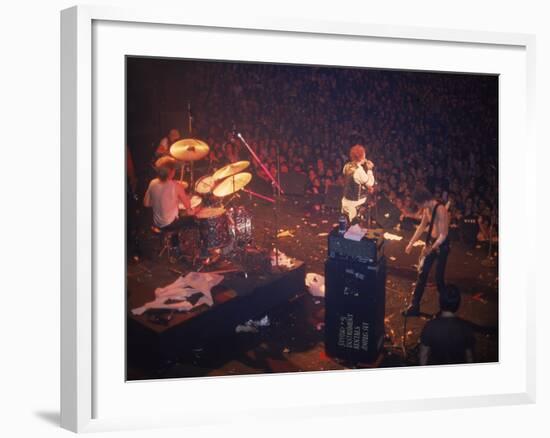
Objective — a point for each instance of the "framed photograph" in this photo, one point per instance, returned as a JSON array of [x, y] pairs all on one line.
[[286, 217]]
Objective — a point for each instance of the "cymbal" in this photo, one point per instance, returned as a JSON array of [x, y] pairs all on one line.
[[165, 161], [232, 184], [205, 184], [230, 169], [184, 184], [189, 149]]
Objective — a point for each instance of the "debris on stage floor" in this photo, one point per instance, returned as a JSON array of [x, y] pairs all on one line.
[[228, 338]]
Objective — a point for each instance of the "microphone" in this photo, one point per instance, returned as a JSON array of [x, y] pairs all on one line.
[[365, 166]]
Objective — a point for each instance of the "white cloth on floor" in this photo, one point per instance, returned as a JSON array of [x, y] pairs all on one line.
[[283, 260], [181, 290], [315, 284], [390, 236]]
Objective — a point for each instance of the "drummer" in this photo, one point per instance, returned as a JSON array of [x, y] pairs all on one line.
[[163, 147], [164, 195]]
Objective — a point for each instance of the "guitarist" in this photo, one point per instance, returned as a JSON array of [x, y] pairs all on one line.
[[436, 218]]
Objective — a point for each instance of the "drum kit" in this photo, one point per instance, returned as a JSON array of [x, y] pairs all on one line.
[[220, 228]]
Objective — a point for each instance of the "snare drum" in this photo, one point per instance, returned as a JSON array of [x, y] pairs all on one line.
[[195, 200], [213, 227]]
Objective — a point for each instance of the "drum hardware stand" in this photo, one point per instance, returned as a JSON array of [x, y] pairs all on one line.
[[404, 337], [205, 258], [234, 193], [276, 190], [265, 198], [190, 119], [371, 202], [190, 124], [230, 200], [192, 180], [489, 261], [182, 170], [238, 252], [277, 195]]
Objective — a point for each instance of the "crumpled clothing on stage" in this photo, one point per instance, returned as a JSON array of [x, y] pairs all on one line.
[[390, 236], [181, 290], [315, 284], [283, 260]]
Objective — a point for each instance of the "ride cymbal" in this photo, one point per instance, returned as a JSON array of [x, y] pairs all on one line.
[[232, 184], [230, 169]]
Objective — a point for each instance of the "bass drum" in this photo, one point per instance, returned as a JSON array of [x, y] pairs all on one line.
[[240, 225], [213, 227]]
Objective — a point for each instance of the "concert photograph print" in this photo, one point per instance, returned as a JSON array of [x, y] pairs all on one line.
[[285, 218]]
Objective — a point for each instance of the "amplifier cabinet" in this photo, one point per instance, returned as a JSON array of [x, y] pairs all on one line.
[[355, 302], [369, 249]]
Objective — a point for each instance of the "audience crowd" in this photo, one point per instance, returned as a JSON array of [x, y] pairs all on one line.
[[438, 130]]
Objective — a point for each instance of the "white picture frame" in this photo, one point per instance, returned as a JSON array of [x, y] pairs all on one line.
[[80, 170]]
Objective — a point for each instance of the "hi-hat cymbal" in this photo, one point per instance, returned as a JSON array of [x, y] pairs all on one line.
[[189, 149], [166, 162], [232, 184], [230, 169]]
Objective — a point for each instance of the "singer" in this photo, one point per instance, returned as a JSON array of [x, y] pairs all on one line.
[[358, 177]]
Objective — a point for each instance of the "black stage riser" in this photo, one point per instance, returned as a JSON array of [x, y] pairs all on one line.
[[216, 323], [355, 301]]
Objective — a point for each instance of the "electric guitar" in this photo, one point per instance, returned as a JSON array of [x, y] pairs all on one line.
[[426, 250], [423, 254]]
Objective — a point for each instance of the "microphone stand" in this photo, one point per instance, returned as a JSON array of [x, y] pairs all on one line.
[[277, 190], [190, 123], [189, 119], [276, 195], [489, 261], [268, 173]]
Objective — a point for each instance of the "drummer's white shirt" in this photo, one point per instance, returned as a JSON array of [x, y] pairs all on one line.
[[163, 197]]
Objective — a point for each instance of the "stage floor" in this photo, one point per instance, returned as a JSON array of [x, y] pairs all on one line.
[[294, 339]]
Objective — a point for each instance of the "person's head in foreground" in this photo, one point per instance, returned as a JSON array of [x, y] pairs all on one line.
[[447, 339], [449, 299]]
